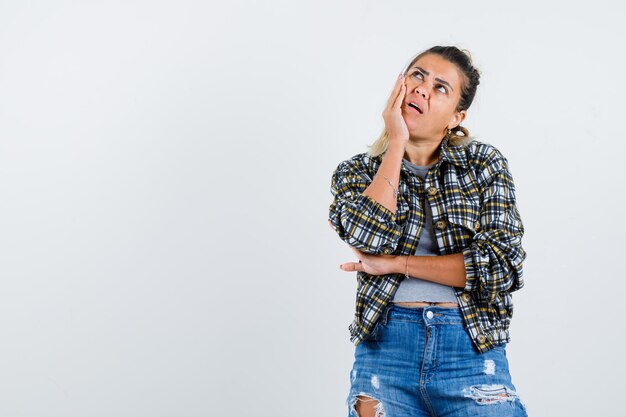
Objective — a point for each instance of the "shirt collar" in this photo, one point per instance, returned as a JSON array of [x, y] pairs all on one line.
[[455, 155]]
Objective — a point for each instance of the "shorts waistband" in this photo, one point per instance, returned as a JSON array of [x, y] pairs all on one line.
[[431, 314]]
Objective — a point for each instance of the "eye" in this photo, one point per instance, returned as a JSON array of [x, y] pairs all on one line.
[[421, 76]]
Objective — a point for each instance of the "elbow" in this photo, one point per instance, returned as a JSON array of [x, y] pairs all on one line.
[[365, 234], [504, 279], [376, 247], [490, 273], [377, 240]]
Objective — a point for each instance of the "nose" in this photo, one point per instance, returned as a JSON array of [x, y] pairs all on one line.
[[422, 90]]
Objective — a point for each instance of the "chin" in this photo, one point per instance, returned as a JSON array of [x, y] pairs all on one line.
[[418, 125], [417, 130]]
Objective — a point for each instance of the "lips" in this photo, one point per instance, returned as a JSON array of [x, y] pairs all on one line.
[[415, 107]]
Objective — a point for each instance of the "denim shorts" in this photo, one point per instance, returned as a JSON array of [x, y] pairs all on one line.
[[421, 362]]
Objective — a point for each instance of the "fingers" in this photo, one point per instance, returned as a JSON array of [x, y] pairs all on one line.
[[350, 266], [353, 266], [396, 91], [400, 98]]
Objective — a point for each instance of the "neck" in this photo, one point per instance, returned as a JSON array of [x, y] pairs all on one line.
[[422, 152]]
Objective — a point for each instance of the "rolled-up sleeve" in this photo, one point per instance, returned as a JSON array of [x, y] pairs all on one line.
[[358, 219], [493, 261]]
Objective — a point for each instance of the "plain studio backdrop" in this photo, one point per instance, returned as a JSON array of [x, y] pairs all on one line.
[[165, 180]]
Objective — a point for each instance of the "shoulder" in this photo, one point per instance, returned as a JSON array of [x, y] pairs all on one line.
[[485, 158], [359, 164]]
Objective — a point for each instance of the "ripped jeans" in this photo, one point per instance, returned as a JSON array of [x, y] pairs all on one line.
[[421, 362]]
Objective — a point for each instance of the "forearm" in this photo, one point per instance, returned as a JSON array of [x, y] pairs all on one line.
[[379, 188], [445, 269]]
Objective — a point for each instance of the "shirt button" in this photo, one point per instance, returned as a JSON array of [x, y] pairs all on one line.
[[465, 296], [429, 314], [441, 224], [432, 190], [476, 225], [481, 338]]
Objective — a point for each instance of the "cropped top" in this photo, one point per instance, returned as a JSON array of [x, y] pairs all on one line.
[[414, 288]]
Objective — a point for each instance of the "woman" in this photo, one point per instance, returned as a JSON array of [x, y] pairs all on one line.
[[430, 213]]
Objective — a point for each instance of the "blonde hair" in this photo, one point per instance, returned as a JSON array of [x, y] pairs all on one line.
[[458, 135]]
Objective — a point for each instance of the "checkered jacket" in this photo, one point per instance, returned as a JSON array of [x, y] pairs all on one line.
[[472, 196]]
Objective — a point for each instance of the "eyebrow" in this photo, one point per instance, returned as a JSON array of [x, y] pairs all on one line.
[[436, 79]]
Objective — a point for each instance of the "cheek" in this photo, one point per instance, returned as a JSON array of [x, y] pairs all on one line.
[[438, 114], [442, 111]]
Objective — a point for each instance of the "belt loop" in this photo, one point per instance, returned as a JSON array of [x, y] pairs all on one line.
[[385, 315]]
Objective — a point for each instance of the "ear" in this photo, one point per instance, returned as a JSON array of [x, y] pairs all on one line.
[[458, 117]]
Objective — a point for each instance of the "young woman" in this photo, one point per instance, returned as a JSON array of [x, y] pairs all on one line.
[[431, 215]]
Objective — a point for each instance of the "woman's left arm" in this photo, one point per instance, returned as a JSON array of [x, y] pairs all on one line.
[[491, 264], [493, 261], [444, 269]]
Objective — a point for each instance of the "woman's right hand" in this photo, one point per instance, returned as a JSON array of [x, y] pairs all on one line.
[[394, 121]]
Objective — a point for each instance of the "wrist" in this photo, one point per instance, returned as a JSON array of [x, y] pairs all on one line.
[[396, 147], [399, 264]]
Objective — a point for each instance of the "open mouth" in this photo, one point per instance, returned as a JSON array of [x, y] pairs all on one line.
[[413, 105]]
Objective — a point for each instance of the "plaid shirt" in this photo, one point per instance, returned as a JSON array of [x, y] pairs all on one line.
[[472, 196]]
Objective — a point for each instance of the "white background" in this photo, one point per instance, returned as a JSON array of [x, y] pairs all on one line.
[[165, 181]]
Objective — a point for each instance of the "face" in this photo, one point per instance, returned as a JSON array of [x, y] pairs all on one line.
[[434, 85]]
